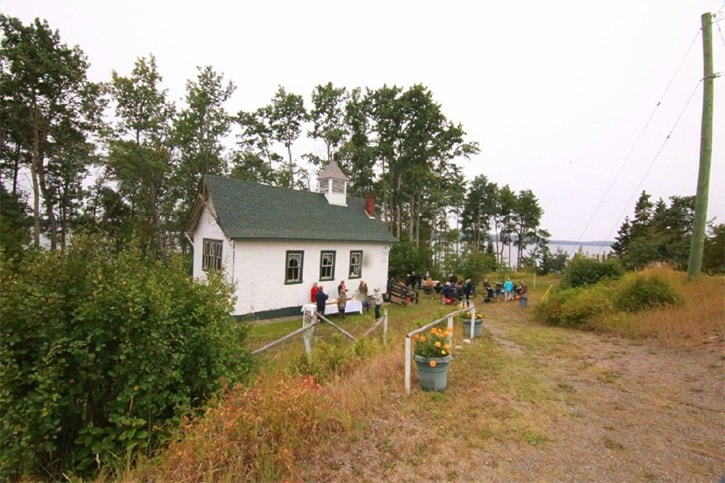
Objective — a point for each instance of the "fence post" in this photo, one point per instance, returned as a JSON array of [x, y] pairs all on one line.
[[407, 364], [308, 336], [385, 327], [472, 314], [450, 330]]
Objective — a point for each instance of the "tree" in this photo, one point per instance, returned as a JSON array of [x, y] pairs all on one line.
[[198, 134], [51, 108], [357, 153], [527, 216], [416, 146], [503, 223], [328, 120], [713, 260], [279, 122], [15, 223], [658, 233], [139, 157], [479, 210]]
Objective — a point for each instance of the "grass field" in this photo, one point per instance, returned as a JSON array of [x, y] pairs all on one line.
[[633, 397]]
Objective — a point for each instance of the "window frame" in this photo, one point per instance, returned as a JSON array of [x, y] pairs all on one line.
[[351, 273], [330, 267], [289, 256], [212, 261]]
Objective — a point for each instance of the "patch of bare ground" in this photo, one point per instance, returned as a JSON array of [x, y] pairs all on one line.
[[531, 402]]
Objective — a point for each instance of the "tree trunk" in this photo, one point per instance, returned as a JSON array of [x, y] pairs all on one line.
[[53, 225], [36, 189]]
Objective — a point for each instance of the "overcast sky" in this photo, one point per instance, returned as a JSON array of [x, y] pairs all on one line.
[[557, 93]]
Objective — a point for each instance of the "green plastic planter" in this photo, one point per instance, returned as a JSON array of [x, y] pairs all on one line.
[[433, 378]]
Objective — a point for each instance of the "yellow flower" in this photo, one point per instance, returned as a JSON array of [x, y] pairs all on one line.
[[432, 363], [443, 352]]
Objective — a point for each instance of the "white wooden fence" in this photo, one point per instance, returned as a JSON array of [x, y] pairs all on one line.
[[409, 337], [310, 321]]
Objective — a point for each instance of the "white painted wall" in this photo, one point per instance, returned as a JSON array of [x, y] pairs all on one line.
[[257, 268], [208, 228], [260, 268]]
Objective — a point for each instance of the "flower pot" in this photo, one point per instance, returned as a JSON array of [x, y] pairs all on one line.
[[433, 378], [477, 327]]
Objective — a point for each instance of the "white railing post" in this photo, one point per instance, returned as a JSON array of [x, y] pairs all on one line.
[[450, 330], [472, 314], [407, 364], [385, 327]]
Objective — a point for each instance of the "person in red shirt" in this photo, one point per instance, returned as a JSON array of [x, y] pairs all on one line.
[[313, 292]]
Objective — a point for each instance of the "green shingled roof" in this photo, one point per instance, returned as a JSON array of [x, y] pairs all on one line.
[[255, 211]]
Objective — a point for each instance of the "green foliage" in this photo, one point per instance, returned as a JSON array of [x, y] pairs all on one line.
[[575, 306], [333, 359], [99, 350], [406, 257], [473, 265], [658, 233], [638, 292], [15, 223], [713, 255], [587, 271]]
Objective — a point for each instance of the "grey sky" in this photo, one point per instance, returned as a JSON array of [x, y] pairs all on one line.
[[556, 92]]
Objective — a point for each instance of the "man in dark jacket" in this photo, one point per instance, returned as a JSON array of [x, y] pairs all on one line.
[[321, 300]]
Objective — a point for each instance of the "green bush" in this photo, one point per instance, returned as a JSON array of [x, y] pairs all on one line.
[[99, 350], [640, 292], [583, 271], [574, 307]]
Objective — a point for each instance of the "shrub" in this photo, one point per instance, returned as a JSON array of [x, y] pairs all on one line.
[[574, 307], [639, 292], [583, 271], [99, 350]]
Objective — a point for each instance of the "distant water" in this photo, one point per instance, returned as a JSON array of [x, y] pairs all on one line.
[[589, 248]]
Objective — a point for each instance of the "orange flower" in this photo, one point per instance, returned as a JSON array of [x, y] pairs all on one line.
[[422, 338], [438, 343], [432, 363]]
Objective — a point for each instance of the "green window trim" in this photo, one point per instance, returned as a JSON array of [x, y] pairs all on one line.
[[294, 265], [327, 265], [355, 269]]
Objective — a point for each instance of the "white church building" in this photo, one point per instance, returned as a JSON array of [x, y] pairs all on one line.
[[274, 243]]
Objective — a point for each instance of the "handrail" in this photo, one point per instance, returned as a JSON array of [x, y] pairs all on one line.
[[409, 335]]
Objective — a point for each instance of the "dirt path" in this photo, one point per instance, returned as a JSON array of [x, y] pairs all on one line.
[[549, 404], [636, 411]]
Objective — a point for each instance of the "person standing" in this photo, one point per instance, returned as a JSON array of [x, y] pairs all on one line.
[[321, 300], [341, 301], [313, 292], [508, 290], [341, 288], [362, 290], [378, 299]]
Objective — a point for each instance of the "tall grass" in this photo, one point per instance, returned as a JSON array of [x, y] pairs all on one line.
[[700, 315], [271, 430]]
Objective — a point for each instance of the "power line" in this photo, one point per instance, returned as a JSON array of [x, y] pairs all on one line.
[[641, 133], [667, 138], [717, 24]]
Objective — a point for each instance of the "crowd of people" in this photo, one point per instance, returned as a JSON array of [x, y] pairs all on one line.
[[320, 298], [452, 292]]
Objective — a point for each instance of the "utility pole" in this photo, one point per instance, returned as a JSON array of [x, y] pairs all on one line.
[[697, 243]]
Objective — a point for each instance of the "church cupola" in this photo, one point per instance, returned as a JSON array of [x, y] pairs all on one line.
[[332, 182]]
